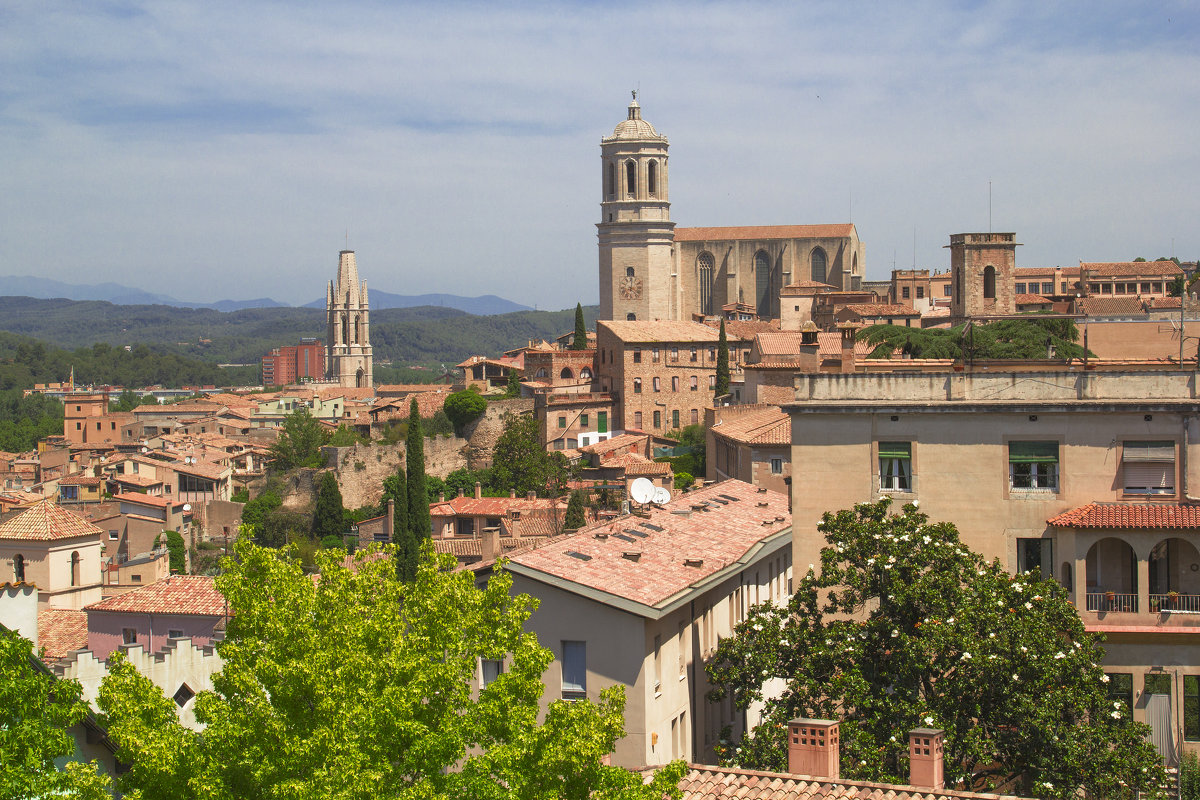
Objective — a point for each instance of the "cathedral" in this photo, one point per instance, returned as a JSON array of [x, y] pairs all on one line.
[[649, 269], [348, 358]]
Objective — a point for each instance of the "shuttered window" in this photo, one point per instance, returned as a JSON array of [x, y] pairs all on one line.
[[1148, 467]]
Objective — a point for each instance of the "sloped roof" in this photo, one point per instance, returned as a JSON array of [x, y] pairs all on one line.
[[1110, 306], [192, 595], [616, 443], [1032, 299], [61, 631], [661, 330], [1130, 515], [635, 464], [487, 506], [882, 310], [143, 499], [1131, 268], [769, 426], [45, 522], [835, 231], [79, 479], [717, 783]]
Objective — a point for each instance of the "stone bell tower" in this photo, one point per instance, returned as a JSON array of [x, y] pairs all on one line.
[[635, 231], [348, 357]]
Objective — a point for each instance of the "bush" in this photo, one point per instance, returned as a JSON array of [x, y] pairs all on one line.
[[1189, 777], [332, 543], [464, 408], [439, 425], [683, 480], [178, 551], [241, 495]]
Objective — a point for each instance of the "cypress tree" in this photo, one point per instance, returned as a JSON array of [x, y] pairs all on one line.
[[329, 518], [575, 518], [418, 497], [580, 342], [722, 364]]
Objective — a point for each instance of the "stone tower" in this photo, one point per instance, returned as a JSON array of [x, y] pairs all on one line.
[[981, 274], [348, 359], [635, 229]]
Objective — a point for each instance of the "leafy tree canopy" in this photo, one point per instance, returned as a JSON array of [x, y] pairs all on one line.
[[521, 464], [906, 628], [464, 407], [329, 517], [575, 518], [178, 552], [300, 440], [1002, 339], [359, 686]]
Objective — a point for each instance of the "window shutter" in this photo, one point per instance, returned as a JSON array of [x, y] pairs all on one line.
[[895, 449], [1033, 452], [1149, 475], [1158, 452]]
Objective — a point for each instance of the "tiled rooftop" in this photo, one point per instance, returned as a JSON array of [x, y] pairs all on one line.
[[674, 551], [882, 310], [616, 443], [44, 521], [717, 783], [79, 479], [143, 499], [194, 595], [635, 464], [660, 330], [1100, 269], [1031, 299], [61, 631], [487, 506], [836, 231], [770, 426], [1110, 306], [1129, 515]]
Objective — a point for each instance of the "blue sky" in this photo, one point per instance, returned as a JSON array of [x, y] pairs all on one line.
[[210, 150]]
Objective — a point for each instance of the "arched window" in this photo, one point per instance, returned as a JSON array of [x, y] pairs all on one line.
[[637, 420], [637, 385], [652, 179], [345, 329], [75, 568], [705, 265], [541, 373], [674, 383], [657, 384], [18, 568], [360, 378], [630, 177], [762, 283], [629, 272], [989, 282], [610, 186], [566, 373], [820, 265], [358, 329], [585, 374], [631, 316], [695, 383]]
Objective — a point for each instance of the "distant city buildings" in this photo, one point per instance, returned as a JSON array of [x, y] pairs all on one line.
[[294, 364]]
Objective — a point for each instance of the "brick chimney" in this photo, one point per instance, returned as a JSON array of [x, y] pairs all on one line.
[[813, 748], [512, 494], [848, 331], [460, 491], [489, 547], [808, 354], [926, 767], [478, 490]]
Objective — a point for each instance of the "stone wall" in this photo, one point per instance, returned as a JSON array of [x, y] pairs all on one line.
[[483, 432], [360, 469]]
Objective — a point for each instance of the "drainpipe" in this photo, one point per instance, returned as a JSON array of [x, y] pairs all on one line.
[[1185, 466]]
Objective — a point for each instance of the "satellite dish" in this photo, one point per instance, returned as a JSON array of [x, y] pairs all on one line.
[[642, 490], [662, 496], [187, 507]]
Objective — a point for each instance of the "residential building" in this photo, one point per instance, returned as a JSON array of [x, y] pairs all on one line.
[[570, 420], [283, 366], [487, 375], [80, 488], [750, 443], [349, 358], [1087, 477], [620, 460], [87, 420], [56, 550], [864, 314]]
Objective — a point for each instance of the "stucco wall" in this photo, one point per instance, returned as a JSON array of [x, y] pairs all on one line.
[[105, 627]]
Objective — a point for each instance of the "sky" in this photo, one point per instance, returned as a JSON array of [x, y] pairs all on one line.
[[212, 150]]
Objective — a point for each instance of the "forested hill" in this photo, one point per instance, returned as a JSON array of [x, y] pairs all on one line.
[[420, 335]]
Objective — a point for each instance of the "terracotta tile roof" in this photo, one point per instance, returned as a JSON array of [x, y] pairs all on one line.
[[635, 464], [204, 470], [717, 783], [715, 539], [770, 426], [1110, 306], [136, 480], [882, 310], [812, 285], [61, 631], [503, 361], [661, 330], [1166, 302], [79, 479], [44, 522], [193, 595], [488, 506], [1100, 269], [334, 392], [386, 389], [746, 330], [180, 408], [837, 231], [1045, 272], [1129, 515], [1032, 299], [143, 499], [830, 344], [616, 443]]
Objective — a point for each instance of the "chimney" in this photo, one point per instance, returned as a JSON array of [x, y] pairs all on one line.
[[848, 330], [387, 523], [512, 494], [441, 497], [460, 491], [478, 490], [489, 548], [532, 495], [926, 768], [813, 748], [808, 354]]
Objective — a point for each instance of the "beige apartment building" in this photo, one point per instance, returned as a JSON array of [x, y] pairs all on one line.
[[1088, 477]]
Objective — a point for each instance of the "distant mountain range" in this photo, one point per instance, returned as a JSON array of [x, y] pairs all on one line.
[[46, 289]]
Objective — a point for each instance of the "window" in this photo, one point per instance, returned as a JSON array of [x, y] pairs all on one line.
[[904, 292], [183, 694], [631, 316], [776, 466], [574, 670], [637, 419], [611, 180], [674, 383], [675, 419], [695, 416], [75, 581], [652, 178], [1120, 689], [562, 422], [818, 265], [1047, 288], [602, 421], [712, 381], [1037, 556], [762, 284], [1019, 288], [637, 385], [657, 419], [674, 354], [657, 384], [1148, 467], [637, 356], [583, 420], [1191, 707], [945, 290], [489, 670], [920, 292], [695, 354], [895, 466], [654, 355], [128, 635], [18, 568], [656, 664], [1033, 465], [174, 633], [704, 265], [712, 354], [1158, 683], [630, 177], [694, 383]]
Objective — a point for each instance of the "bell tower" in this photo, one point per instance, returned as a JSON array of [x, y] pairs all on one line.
[[348, 355], [635, 231]]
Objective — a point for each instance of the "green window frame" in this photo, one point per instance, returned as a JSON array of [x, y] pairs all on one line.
[[1033, 465], [1120, 689], [895, 466], [1191, 708]]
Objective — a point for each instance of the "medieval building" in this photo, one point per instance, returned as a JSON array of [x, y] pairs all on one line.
[[348, 358]]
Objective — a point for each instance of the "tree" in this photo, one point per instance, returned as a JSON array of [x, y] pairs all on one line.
[[414, 462], [905, 627], [575, 518], [36, 709], [1030, 338], [357, 685], [256, 510], [521, 464], [513, 389], [683, 480], [722, 387], [345, 436], [178, 552], [464, 407], [329, 517], [299, 443], [408, 546], [580, 340]]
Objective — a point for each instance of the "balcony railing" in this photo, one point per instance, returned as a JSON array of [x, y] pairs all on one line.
[[1176, 602], [1112, 601]]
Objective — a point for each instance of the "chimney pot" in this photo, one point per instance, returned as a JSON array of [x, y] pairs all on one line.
[[926, 767], [512, 494], [531, 496], [460, 491], [478, 490], [813, 748]]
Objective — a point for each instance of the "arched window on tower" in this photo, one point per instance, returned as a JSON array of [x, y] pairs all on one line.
[[820, 265], [629, 272], [630, 178], [610, 184], [345, 329], [360, 379], [631, 316], [762, 283], [989, 282], [566, 373], [652, 179], [358, 329], [705, 265]]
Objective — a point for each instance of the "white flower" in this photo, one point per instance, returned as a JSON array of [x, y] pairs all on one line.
[[929, 720], [1116, 715], [950, 621], [870, 561], [1029, 605], [966, 656], [1104, 679], [1016, 677], [1018, 586], [991, 636], [1024, 649], [926, 539], [1037, 597], [1116, 704], [895, 633], [810, 567], [1059, 654]]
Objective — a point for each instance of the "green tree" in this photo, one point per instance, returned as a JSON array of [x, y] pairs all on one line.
[[178, 552], [345, 436], [1013, 339], [414, 462], [521, 464], [575, 518], [358, 685], [513, 389], [464, 407], [36, 710], [256, 510], [722, 387], [580, 340], [329, 516], [683, 480], [299, 443], [905, 627]]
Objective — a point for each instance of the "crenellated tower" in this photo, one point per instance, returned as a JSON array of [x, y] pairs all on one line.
[[348, 355]]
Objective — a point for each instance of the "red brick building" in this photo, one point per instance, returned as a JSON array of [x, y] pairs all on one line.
[[295, 363]]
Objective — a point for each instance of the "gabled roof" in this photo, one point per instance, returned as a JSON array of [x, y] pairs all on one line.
[[660, 330], [45, 522], [882, 310], [1110, 306], [79, 479], [636, 464], [835, 231], [616, 443], [769, 426], [717, 783], [1130, 515], [1032, 299], [137, 498], [61, 631], [487, 506], [193, 595]]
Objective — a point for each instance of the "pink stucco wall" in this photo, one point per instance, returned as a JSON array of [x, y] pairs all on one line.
[[104, 630]]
